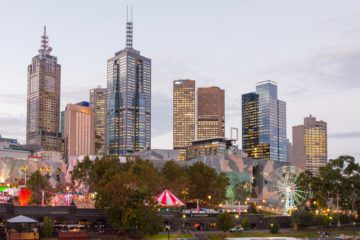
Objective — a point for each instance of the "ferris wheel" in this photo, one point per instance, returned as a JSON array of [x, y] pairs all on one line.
[[283, 182]]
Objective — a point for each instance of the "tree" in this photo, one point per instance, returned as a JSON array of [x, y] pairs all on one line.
[[252, 208], [48, 227], [82, 172], [204, 182], [242, 191], [273, 226], [124, 191], [338, 184], [225, 221], [176, 179], [245, 223], [129, 206], [147, 174], [38, 183]]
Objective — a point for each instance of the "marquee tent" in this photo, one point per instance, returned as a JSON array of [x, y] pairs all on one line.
[[167, 199]]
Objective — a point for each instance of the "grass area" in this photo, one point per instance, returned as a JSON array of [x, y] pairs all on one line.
[[221, 236], [264, 234], [164, 236], [299, 234]]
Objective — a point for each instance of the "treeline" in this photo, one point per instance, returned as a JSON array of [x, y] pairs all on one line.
[[336, 187], [126, 191]]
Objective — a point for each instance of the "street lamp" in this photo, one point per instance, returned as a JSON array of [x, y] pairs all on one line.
[[209, 197], [354, 224], [183, 219], [167, 227]]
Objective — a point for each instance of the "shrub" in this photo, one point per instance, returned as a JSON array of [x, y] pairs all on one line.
[[48, 227], [245, 223], [273, 226], [302, 218], [225, 222]]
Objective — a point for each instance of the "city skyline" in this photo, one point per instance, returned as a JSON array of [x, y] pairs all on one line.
[[305, 95]]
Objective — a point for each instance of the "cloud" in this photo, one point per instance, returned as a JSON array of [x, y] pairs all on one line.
[[162, 141], [345, 135], [326, 71], [13, 126], [161, 113], [13, 98]]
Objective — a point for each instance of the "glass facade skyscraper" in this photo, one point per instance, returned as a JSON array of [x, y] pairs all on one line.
[[98, 103], [128, 117], [43, 99], [310, 145], [264, 123], [210, 113], [184, 114]]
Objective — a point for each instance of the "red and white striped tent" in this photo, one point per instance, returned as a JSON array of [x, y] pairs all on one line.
[[167, 199]]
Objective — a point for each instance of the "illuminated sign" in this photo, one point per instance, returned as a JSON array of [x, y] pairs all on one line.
[[85, 110]]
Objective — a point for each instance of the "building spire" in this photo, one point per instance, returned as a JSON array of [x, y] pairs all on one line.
[[44, 40], [45, 48], [129, 28]]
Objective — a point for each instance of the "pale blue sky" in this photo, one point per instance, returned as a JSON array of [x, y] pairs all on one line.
[[311, 48]]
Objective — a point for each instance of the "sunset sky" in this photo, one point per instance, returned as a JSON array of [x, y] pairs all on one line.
[[310, 48]]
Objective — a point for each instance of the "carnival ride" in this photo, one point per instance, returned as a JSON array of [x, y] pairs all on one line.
[[283, 182]]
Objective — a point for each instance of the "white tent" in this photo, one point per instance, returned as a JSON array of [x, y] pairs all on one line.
[[21, 219]]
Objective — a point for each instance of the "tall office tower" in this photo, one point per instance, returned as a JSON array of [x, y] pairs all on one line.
[[264, 133], [79, 132], [128, 121], [183, 115], [310, 145], [250, 126], [210, 113], [98, 103], [43, 99]]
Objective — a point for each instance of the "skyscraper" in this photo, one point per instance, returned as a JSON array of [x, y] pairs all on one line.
[[250, 126], [43, 99], [79, 132], [183, 115], [310, 145], [98, 103], [210, 113], [264, 123], [128, 121]]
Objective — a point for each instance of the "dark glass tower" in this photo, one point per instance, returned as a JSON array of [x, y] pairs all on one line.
[[128, 117], [264, 123]]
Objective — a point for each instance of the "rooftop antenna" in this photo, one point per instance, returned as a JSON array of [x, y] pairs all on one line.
[[44, 40], [45, 48], [129, 29]]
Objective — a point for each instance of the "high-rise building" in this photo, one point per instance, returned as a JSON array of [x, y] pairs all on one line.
[[79, 132], [128, 121], [310, 145], [210, 113], [98, 103], [183, 115], [264, 123], [250, 126], [43, 99]]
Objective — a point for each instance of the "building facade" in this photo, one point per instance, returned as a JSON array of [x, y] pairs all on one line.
[[184, 114], [43, 99], [128, 117], [310, 145], [98, 103], [250, 126], [79, 132], [208, 147], [210, 113], [264, 123]]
